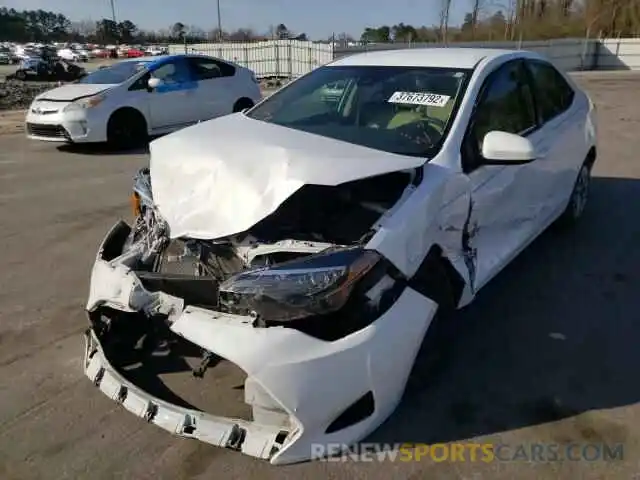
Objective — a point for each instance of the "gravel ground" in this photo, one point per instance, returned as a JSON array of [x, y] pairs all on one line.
[[16, 95], [547, 353]]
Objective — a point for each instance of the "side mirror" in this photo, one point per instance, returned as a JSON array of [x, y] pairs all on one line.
[[502, 148], [154, 83]]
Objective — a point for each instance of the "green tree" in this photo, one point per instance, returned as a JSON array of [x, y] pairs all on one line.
[[127, 31], [107, 31], [178, 30]]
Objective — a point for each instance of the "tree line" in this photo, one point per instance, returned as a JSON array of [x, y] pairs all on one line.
[[46, 26], [485, 20], [521, 19]]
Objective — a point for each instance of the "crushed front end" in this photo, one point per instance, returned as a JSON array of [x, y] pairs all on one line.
[[322, 331]]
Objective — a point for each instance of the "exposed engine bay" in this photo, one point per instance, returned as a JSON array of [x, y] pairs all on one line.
[[315, 220], [304, 267]]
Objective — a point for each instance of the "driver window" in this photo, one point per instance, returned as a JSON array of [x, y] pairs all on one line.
[[172, 72], [506, 104]]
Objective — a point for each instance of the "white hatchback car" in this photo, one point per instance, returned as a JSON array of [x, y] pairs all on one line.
[[313, 241], [124, 103]]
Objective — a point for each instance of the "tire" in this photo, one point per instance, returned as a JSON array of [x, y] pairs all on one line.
[[241, 104], [20, 75], [126, 128], [578, 198]]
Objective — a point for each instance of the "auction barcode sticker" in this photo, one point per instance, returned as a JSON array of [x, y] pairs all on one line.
[[417, 98]]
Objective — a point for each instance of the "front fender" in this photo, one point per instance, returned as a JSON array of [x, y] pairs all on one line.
[[436, 214]]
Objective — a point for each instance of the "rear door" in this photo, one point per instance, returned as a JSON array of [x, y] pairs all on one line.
[[215, 80], [562, 115]]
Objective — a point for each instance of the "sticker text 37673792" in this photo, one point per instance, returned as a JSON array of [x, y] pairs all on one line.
[[418, 98]]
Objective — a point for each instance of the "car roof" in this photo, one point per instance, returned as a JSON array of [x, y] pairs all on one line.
[[158, 59], [151, 58], [438, 57]]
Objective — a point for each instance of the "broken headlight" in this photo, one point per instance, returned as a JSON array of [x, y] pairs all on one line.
[[315, 285]]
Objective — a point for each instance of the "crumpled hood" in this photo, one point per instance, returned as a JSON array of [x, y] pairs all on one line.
[[223, 176], [73, 91]]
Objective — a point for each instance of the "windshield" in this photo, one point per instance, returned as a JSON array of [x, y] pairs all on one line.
[[403, 110], [117, 73]]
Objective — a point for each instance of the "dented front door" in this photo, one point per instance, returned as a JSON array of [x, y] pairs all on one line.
[[504, 209]]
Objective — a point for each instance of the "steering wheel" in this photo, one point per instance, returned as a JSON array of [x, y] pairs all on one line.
[[436, 122], [419, 131]]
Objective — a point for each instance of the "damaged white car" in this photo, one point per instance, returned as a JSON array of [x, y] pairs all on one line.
[[307, 244]]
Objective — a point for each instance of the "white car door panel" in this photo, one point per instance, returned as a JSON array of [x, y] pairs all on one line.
[[507, 201], [215, 86], [563, 113], [175, 103], [216, 98]]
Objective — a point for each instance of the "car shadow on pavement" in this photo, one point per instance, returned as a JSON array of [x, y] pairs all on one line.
[[554, 335], [102, 149]]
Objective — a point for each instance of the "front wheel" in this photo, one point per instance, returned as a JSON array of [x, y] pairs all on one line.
[[242, 104], [127, 128], [579, 197]]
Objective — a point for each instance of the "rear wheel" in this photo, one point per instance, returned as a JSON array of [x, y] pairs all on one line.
[[242, 104], [21, 75], [127, 128], [578, 199]]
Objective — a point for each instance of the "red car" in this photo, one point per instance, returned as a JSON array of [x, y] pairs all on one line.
[[134, 53]]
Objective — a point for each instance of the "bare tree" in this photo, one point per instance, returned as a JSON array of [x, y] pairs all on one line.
[[84, 28], [476, 6], [445, 9]]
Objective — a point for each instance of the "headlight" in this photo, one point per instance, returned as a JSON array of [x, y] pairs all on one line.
[[84, 103], [142, 195], [314, 285]]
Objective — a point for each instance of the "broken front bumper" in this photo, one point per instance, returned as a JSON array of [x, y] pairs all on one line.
[[247, 437], [304, 391]]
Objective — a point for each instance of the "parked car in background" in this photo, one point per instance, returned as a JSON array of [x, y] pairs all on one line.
[[155, 51], [124, 103], [101, 53], [134, 53], [69, 55], [83, 55], [47, 69], [325, 242], [5, 56]]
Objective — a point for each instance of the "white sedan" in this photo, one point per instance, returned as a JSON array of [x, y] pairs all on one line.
[[125, 103], [315, 243]]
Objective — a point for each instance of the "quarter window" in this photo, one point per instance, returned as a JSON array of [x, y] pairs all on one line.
[[554, 95]]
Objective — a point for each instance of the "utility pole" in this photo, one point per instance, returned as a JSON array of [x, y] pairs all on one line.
[[113, 17], [219, 23]]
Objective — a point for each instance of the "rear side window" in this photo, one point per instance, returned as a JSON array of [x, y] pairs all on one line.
[[554, 95], [208, 68]]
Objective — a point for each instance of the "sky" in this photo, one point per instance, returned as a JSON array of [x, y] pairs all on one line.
[[317, 18]]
